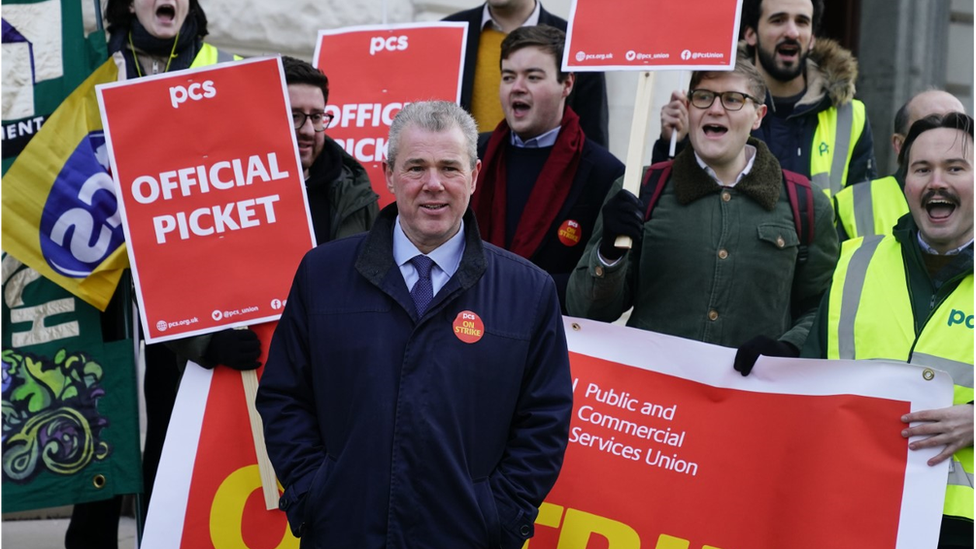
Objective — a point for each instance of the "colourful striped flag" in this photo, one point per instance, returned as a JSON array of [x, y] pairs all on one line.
[[59, 211]]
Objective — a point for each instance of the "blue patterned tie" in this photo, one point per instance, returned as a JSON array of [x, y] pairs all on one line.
[[423, 290]]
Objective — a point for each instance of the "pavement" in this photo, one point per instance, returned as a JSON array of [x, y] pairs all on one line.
[[49, 533]]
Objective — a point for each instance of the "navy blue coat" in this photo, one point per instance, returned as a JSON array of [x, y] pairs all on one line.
[[387, 430]]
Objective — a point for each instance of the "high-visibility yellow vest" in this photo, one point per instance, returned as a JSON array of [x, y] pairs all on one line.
[[870, 208], [838, 129], [870, 316], [210, 55]]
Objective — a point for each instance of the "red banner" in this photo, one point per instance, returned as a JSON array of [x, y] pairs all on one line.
[[685, 451], [374, 71], [670, 448], [210, 192], [642, 35]]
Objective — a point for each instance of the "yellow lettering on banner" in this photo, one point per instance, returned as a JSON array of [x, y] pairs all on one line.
[[227, 511], [665, 541], [578, 525], [549, 515]]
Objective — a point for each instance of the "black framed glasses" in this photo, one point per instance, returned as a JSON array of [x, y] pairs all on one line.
[[320, 120], [732, 101]]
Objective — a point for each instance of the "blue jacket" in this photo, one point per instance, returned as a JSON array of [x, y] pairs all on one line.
[[387, 430]]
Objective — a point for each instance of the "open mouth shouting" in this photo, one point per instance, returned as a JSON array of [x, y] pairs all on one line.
[[520, 108], [714, 130], [939, 206], [166, 13], [788, 51]]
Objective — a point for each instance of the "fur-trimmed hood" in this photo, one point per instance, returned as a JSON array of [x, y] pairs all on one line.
[[831, 70]]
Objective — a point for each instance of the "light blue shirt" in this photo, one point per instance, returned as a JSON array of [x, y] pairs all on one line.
[[547, 139], [932, 251], [446, 257]]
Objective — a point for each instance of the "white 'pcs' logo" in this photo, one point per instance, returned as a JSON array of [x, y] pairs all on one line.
[[392, 43], [179, 94]]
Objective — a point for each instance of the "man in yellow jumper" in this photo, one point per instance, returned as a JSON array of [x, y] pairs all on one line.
[[488, 25], [909, 296]]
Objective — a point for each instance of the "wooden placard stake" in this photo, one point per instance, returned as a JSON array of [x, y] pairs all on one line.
[[638, 142]]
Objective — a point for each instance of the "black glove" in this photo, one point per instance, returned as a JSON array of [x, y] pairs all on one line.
[[622, 216], [748, 353], [238, 349]]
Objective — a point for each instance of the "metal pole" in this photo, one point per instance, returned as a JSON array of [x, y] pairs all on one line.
[[98, 15]]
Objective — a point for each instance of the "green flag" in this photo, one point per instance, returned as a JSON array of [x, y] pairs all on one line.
[[70, 419], [45, 56]]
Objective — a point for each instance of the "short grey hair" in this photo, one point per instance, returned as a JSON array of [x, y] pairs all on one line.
[[433, 116]]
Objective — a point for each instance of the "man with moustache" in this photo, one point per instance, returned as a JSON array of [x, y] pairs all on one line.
[[488, 24], [417, 391], [543, 181], [718, 257], [873, 207], [814, 126], [340, 196], [908, 296]]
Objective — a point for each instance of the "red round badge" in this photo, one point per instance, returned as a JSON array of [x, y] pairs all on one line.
[[468, 327], [570, 233]]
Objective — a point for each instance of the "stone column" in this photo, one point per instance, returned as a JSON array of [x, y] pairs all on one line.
[[902, 52]]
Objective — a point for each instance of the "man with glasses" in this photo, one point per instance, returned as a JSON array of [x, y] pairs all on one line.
[[340, 197], [717, 255], [814, 126]]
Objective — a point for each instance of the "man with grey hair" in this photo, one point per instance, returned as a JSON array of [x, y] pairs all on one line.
[[417, 391]]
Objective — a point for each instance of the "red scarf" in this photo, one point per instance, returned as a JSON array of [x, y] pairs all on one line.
[[547, 197]]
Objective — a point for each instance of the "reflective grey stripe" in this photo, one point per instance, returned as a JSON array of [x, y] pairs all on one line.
[[857, 270], [842, 140], [223, 57], [962, 373], [958, 476], [863, 209], [821, 180]]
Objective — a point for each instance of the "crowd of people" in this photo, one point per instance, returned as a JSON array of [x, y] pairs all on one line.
[[769, 231]]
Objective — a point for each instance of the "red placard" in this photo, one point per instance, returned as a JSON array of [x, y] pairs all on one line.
[[224, 507], [211, 194], [374, 71], [660, 35]]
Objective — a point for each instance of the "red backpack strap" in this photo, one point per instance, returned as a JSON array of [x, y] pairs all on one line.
[[654, 181], [800, 194]]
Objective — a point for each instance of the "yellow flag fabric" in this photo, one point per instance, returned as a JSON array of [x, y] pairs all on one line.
[[59, 211]]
